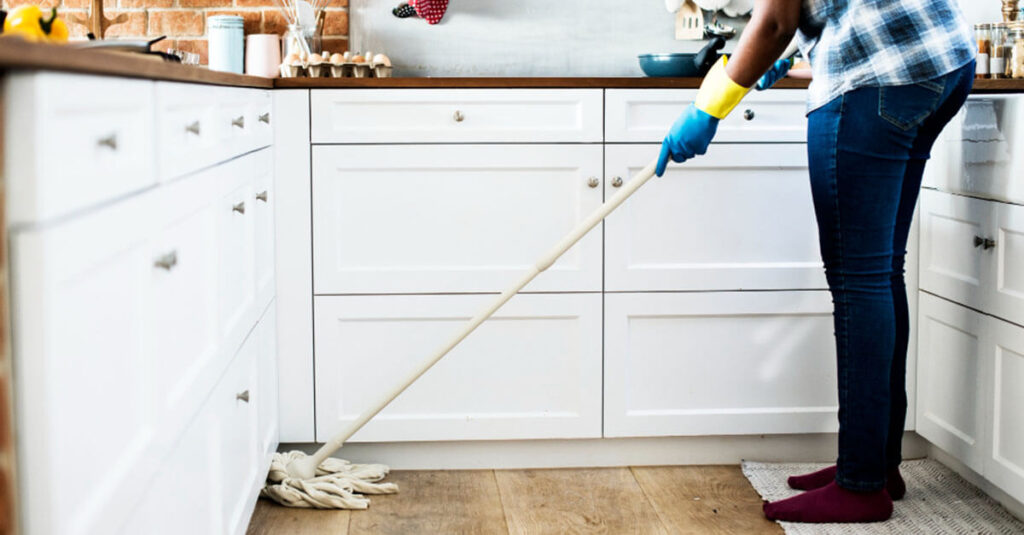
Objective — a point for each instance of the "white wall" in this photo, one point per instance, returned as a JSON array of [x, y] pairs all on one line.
[[979, 11], [520, 37]]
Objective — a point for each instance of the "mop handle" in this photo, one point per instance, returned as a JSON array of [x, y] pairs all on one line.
[[544, 263]]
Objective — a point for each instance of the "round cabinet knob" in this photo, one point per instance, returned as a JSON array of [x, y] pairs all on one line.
[[167, 261], [459, 116], [265, 118], [244, 396], [240, 207], [262, 196], [238, 121], [593, 182], [193, 128], [109, 142], [749, 115], [617, 182]]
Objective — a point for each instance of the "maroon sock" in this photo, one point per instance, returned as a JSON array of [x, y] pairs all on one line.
[[832, 503], [815, 480]]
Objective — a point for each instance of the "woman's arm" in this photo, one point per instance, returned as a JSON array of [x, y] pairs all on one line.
[[772, 26]]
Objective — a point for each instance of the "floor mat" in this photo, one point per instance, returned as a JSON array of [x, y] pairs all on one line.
[[938, 502]]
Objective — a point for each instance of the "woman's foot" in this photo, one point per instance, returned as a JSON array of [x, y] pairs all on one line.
[[832, 503], [893, 481]]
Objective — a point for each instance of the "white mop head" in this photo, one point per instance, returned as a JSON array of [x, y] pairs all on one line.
[[338, 484]]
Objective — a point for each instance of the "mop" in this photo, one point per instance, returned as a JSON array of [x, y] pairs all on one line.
[[322, 482]]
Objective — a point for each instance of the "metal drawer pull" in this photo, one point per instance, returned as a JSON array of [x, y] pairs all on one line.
[[459, 117], [244, 396], [593, 182], [978, 240], [262, 196], [749, 115], [167, 261], [240, 207], [110, 142], [617, 182], [193, 128], [238, 121], [265, 118], [984, 243]]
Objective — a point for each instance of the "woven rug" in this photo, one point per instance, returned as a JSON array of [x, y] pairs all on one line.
[[938, 502]]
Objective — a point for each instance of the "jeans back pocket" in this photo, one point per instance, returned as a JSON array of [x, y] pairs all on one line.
[[907, 106]]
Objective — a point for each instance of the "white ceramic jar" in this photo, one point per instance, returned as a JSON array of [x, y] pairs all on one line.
[[227, 43]]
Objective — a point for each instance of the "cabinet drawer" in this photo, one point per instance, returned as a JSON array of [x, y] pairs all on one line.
[[259, 115], [719, 363], [263, 200], [235, 229], [645, 115], [75, 141], [739, 217], [1005, 464], [532, 371], [188, 132], [1005, 295], [456, 115], [445, 218]]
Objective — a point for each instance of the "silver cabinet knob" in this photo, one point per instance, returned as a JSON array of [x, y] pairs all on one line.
[[617, 182], [984, 243], [749, 115], [265, 118], [167, 261], [459, 117], [238, 121], [193, 128], [240, 207], [593, 182], [262, 196], [244, 396], [109, 142]]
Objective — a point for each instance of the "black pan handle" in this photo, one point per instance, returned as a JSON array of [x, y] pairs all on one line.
[[706, 58]]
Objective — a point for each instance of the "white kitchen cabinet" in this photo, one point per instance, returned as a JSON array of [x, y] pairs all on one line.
[[738, 218], [452, 218], [954, 260], [235, 228], [953, 372], [645, 115], [263, 199], [1005, 292], [456, 115], [718, 363], [267, 393], [239, 458], [532, 371], [1004, 459]]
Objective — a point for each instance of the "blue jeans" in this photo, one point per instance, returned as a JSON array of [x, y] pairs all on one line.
[[867, 150]]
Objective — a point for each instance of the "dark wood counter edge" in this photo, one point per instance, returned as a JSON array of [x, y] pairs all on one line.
[[16, 54]]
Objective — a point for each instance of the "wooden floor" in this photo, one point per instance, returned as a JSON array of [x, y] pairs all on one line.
[[669, 500]]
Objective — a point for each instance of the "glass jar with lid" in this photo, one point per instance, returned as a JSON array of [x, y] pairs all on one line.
[[983, 35], [1016, 59], [1002, 47]]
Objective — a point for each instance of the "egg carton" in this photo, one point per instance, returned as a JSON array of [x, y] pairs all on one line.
[[339, 66]]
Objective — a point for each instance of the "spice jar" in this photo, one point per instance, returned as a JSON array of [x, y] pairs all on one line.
[[1017, 54], [1010, 10], [1002, 45], [983, 34]]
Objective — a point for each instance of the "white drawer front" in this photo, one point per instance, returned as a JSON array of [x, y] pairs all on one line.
[[980, 150], [75, 141], [263, 199], [719, 363], [532, 371], [1006, 289], [645, 115], [456, 115], [436, 219], [952, 263], [1005, 464], [260, 117], [235, 228], [187, 133], [737, 218]]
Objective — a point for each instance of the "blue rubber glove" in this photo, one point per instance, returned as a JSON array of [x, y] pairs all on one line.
[[689, 136], [774, 74]]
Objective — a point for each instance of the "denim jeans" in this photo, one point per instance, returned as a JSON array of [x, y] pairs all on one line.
[[867, 150]]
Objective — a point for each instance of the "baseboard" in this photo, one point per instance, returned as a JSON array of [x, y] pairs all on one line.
[[601, 452], [1013, 505]]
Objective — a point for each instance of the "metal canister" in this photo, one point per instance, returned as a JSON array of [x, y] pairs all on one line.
[[227, 43]]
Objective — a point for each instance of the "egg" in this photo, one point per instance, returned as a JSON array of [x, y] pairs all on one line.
[[381, 59], [292, 58], [347, 55], [337, 59], [315, 58], [358, 59]]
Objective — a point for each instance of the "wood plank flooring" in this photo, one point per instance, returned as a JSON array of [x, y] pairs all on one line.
[[656, 500]]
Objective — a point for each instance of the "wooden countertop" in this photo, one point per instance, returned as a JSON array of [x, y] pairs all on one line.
[[16, 54]]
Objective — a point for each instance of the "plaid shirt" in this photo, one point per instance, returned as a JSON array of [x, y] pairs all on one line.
[[863, 43]]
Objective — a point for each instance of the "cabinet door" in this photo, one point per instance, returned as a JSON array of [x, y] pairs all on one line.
[[532, 371], [951, 379], [84, 395], [263, 217], [1005, 288], [1004, 463], [239, 459], [267, 395], [739, 217], [719, 364], [953, 261], [452, 218], [235, 229]]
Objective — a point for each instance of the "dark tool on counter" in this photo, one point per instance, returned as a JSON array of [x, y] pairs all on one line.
[[680, 65]]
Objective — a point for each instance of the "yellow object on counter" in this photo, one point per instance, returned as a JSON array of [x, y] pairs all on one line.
[[29, 22], [718, 94]]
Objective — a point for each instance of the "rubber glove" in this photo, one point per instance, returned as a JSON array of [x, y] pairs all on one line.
[[774, 74], [693, 131]]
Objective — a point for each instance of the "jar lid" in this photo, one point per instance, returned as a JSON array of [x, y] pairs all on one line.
[[224, 21], [982, 26]]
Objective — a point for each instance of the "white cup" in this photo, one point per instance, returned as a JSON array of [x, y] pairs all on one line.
[[263, 55]]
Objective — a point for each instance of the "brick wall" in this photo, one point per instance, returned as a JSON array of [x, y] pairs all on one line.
[[184, 21]]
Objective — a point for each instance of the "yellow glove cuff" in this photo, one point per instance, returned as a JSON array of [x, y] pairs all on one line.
[[718, 94]]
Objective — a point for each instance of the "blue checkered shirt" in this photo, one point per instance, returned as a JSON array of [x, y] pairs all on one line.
[[864, 43]]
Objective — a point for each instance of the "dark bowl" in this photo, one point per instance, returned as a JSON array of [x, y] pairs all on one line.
[[669, 65]]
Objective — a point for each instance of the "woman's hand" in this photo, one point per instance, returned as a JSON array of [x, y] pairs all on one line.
[[689, 136]]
